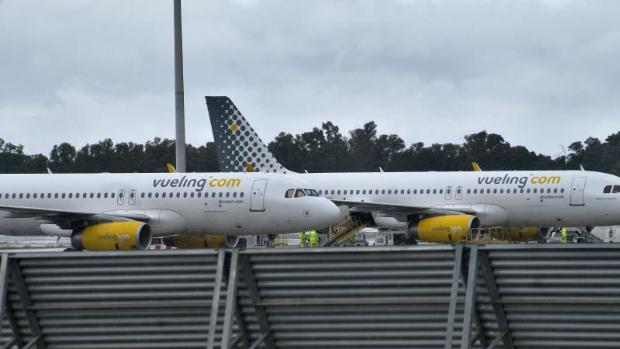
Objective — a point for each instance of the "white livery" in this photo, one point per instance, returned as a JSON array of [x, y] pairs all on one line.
[[444, 203], [123, 211]]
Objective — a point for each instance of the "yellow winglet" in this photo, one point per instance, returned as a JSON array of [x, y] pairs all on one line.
[[475, 166], [249, 167], [170, 168]]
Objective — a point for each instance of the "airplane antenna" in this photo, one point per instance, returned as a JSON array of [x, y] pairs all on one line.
[[179, 94]]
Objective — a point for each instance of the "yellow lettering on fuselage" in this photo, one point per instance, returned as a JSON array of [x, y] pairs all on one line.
[[223, 182], [545, 180]]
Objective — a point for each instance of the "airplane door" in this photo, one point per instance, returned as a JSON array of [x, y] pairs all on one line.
[[132, 197], [577, 191], [459, 193], [257, 201], [449, 193], [120, 199]]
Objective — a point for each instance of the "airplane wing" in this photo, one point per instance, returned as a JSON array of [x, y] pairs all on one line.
[[403, 209], [64, 217]]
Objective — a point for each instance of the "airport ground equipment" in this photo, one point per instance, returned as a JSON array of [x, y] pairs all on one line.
[[344, 230], [520, 296]]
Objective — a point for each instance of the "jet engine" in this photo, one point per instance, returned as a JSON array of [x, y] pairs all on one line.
[[445, 229], [113, 236]]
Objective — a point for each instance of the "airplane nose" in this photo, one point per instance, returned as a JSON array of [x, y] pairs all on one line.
[[331, 213]]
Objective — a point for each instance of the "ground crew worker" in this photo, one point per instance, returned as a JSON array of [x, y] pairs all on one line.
[[303, 239], [314, 238], [564, 236]]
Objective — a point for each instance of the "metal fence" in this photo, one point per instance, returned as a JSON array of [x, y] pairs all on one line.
[[495, 296]]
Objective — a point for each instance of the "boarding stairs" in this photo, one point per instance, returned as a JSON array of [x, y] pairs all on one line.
[[344, 230]]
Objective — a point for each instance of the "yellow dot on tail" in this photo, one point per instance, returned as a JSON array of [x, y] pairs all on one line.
[[233, 127]]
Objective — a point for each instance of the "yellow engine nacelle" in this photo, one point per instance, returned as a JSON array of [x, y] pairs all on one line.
[[113, 236], [445, 229], [195, 241]]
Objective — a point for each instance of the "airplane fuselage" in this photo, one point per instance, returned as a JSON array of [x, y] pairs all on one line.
[[501, 198], [196, 203]]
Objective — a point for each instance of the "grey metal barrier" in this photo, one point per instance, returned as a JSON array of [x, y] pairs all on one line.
[[493, 296]]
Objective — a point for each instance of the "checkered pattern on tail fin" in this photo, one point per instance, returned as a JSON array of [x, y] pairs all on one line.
[[238, 145]]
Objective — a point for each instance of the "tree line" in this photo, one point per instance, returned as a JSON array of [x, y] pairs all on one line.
[[323, 149]]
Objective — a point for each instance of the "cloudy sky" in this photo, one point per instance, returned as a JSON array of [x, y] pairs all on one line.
[[541, 73]]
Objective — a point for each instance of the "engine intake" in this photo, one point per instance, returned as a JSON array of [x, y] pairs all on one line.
[[113, 236]]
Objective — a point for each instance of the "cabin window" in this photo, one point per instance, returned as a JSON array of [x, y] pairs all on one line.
[[156, 195], [191, 195], [21, 195], [113, 195], [234, 194], [562, 190], [178, 194], [199, 194], [440, 191], [241, 194], [98, 195], [220, 194], [528, 190], [185, 194], [344, 192], [150, 195], [213, 194], [34, 196], [105, 195]]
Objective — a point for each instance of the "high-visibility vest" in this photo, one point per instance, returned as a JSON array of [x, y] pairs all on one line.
[[303, 239], [564, 236], [314, 239]]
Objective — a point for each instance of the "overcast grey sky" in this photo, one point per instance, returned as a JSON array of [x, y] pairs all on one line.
[[540, 73]]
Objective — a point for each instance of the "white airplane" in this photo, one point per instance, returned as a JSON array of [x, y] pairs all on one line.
[[124, 211], [436, 206]]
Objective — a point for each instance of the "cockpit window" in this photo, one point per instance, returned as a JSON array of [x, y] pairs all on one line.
[[311, 192], [299, 193], [289, 193], [616, 189], [607, 189]]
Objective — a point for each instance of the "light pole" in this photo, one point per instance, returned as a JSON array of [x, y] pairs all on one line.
[[179, 94]]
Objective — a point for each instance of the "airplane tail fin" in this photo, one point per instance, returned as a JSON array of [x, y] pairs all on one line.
[[239, 148]]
